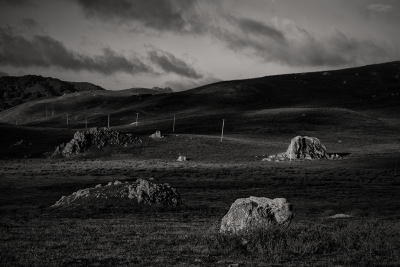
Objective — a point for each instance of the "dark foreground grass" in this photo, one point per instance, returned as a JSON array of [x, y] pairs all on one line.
[[119, 234], [187, 237], [349, 243]]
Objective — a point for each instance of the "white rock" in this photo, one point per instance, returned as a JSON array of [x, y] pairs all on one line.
[[181, 158], [253, 212]]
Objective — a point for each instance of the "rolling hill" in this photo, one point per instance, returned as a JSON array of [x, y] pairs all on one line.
[[373, 88], [357, 105], [17, 90]]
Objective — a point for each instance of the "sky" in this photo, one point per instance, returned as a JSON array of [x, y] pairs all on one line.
[[183, 44]]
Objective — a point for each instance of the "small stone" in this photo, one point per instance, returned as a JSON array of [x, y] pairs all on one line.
[[340, 216], [156, 135], [117, 182], [181, 158], [109, 184], [97, 186]]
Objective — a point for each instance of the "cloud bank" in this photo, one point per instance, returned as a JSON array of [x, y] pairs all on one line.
[[278, 41], [166, 15], [286, 43], [171, 64], [44, 51]]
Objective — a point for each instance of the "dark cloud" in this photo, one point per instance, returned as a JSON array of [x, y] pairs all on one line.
[[3, 74], [30, 23], [186, 84], [166, 15], [17, 3], [249, 26], [294, 46], [44, 51], [171, 64]]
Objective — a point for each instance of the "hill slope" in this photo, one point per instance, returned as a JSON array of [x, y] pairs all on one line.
[[373, 88], [17, 90]]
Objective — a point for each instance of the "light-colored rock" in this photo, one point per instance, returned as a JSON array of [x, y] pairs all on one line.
[[141, 191], [340, 216], [255, 212], [117, 182], [302, 147], [181, 158], [157, 135], [97, 186]]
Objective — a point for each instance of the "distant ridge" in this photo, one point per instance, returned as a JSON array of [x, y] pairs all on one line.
[[18, 90], [372, 88]]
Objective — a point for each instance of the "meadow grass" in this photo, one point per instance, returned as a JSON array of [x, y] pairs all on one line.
[[121, 234]]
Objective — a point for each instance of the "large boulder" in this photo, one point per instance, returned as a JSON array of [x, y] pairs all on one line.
[[141, 191], [304, 147], [255, 212], [94, 136]]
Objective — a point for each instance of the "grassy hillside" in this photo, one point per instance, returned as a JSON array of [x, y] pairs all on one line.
[[17, 90], [373, 88]]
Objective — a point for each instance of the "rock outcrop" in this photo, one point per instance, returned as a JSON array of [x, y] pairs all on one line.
[[141, 191], [256, 212], [94, 136], [303, 147]]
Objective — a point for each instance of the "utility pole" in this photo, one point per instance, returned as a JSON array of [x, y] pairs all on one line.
[[137, 116], [222, 133], [173, 126]]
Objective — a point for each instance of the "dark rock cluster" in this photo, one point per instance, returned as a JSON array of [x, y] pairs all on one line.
[[99, 137], [141, 191]]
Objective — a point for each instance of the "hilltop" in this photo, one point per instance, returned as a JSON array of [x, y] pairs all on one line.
[[17, 90]]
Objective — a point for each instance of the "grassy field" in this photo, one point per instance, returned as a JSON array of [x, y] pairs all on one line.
[[358, 119], [216, 174]]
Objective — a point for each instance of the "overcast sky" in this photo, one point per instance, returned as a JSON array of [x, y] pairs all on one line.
[[120, 44]]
